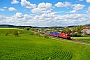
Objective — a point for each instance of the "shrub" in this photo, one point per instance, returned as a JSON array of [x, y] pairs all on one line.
[[46, 35], [6, 33], [27, 28], [37, 33], [15, 32]]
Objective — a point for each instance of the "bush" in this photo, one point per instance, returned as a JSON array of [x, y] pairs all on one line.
[[46, 35], [27, 28], [15, 32], [6, 33]]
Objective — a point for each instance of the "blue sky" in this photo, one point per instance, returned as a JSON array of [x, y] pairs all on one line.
[[45, 12]]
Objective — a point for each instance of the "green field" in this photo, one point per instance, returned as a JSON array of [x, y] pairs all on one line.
[[82, 39], [33, 47]]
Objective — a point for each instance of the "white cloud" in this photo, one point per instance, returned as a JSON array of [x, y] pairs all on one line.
[[11, 9], [5, 7], [63, 4], [88, 1], [45, 16], [46, 19], [42, 8], [38, 10], [14, 2], [2, 17], [45, 5], [19, 15], [27, 4], [88, 10], [1, 9], [77, 7]]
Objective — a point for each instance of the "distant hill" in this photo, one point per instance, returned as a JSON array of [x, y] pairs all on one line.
[[12, 26]]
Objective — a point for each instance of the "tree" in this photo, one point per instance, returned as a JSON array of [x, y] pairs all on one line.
[[67, 30]]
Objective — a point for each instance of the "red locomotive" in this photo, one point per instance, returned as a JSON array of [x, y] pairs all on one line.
[[64, 35]]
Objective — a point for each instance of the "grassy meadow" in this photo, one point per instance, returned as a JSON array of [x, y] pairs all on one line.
[[32, 47], [82, 39]]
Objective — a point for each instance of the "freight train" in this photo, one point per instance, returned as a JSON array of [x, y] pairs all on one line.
[[60, 34], [56, 34]]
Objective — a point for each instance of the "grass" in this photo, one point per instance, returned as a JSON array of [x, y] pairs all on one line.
[[27, 48], [33, 47], [84, 39]]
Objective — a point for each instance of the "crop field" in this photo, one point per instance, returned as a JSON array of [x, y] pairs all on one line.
[[8, 28], [33, 47]]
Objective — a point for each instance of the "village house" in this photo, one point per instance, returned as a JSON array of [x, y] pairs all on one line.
[[86, 30]]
